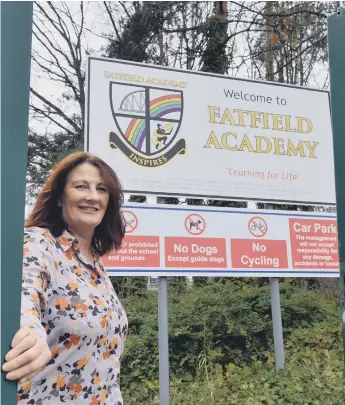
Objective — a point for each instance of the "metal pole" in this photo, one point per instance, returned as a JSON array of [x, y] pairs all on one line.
[[163, 337], [277, 324], [16, 30], [274, 282], [336, 48], [277, 319]]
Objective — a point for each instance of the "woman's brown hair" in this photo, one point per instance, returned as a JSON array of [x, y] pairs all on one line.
[[47, 214]]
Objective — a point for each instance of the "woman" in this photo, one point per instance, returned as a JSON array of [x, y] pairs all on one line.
[[73, 326]]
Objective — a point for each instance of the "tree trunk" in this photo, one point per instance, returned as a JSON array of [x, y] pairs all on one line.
[[269, 44]]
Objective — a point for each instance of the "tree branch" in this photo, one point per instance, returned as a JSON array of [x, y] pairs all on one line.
[[56, 109], [112, 20]]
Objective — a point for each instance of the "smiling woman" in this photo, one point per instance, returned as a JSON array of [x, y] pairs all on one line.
[[73, 326], [49, 210], [84, 202]]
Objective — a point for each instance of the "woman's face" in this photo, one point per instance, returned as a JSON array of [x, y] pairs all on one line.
[[85, 198]]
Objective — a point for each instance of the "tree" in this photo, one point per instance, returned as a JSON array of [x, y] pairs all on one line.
[[58, 64], [296, 40], [136, 36], [43, 151], [134, 287], [215, 57], [177, 284], [58, 56]]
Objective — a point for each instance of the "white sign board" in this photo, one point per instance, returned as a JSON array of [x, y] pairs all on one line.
[[174, 132], [167, 240]]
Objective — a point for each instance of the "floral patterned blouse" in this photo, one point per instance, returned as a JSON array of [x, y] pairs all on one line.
[[72, 304]]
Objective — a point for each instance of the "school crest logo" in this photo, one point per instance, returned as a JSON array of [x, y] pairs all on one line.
[[148, 120]]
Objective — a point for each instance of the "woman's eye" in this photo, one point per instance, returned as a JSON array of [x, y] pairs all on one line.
[[102, 189], [80, 187]]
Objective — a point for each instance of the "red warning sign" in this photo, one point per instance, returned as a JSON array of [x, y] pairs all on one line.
[[136, 251], [187, 252], [257, 227], [314, 243], [195, 224], [131, 221], [258, 254]]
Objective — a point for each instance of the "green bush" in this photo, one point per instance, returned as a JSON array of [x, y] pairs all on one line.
[[221, 346]]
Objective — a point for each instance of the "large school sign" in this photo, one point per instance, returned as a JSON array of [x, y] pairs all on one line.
[[170, 240], [173, 132]]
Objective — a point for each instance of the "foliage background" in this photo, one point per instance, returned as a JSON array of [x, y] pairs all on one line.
[[221, 345]]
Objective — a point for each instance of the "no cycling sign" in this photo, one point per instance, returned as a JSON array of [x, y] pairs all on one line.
[[257, 227]]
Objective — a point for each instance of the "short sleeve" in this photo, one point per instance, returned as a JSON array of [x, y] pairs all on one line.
[[36, 278]]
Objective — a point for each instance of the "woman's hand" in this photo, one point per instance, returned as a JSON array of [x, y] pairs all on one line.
[[29, 355]]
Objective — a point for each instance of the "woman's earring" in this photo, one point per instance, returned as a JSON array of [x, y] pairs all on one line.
[[58, 203]]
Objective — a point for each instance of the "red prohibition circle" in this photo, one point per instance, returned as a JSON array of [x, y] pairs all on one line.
[[131, 221], [195, 221], [257, 226]]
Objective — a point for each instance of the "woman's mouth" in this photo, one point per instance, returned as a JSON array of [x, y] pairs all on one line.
[[89, 209]]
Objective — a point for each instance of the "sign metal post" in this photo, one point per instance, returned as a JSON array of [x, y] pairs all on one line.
[[16, 29], [336, 35]]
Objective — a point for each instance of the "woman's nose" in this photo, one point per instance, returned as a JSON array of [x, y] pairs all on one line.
[[92, 194]]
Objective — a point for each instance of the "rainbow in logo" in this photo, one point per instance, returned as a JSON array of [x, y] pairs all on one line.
[[165, 105], [136, 132]]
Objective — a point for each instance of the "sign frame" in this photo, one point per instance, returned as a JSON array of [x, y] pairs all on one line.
[[158, 192]]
